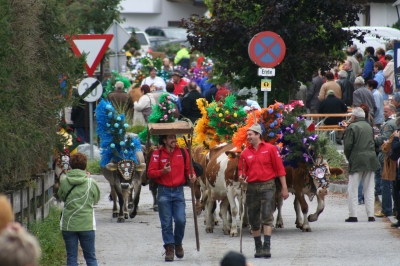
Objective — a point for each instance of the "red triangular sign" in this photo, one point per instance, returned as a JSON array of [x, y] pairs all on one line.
[[94, 45]]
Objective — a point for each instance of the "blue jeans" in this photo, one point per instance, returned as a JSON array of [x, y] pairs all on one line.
[[378, 184], [87, 240], [360, 192], [386, 197], [171, 205]]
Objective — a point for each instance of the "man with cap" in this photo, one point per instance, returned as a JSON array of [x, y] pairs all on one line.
[[359, 149], [121, 100], [182, 57], [179, 82], [333, 105], [363, 95], [262, 164], [168, 167]]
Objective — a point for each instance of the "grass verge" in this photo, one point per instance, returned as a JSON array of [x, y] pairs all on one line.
[[50, 239], [93, 167]]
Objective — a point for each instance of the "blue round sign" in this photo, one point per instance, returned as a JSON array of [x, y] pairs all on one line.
[[267, 49]]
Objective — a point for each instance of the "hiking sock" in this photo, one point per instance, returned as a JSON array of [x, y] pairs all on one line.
[[267, 240]]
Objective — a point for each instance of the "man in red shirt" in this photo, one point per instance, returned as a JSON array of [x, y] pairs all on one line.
[[262, 164], [221, 93], [165, 167], [179, 82]]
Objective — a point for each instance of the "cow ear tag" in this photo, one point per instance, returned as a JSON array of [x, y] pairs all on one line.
[[126, 167]]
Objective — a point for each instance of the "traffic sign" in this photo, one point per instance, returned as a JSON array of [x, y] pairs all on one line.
[[91, 89], [120, 34], [267, 49], [266, 85], [266, 72], [93, 45]]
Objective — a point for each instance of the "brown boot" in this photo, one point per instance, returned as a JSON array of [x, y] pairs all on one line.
[[169, 253], [179, 251]]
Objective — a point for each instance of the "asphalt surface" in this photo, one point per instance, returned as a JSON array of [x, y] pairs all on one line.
[[138, 241]]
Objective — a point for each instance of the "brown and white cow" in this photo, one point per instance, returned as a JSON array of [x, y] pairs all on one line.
[[301, 183], [223, 185]]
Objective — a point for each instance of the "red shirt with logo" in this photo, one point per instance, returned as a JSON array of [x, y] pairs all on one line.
[[179, 169], [178, 87], [261, 165]]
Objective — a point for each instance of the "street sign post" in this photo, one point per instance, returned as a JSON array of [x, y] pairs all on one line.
[[121, 37], [93, 45], [91, 90], [266, 49]]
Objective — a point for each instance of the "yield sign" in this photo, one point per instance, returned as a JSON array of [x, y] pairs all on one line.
[[267, 49], [93, 45]]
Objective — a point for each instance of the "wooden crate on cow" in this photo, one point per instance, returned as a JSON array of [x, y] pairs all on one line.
[[170, 128]]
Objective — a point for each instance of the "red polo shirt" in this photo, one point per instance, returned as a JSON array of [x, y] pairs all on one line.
[[178, 168], [263, 164], [178, 87]]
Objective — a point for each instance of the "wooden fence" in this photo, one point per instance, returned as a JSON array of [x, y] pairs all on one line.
[[33, 203]]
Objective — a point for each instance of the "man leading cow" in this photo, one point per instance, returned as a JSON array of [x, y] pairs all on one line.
[[165, 167], [261, 165]]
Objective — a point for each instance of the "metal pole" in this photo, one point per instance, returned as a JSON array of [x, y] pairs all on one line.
[[265, 99], [116, 43], [91, 129]]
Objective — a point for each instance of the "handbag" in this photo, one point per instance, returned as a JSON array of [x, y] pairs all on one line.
[[147, 111], [387, 88]]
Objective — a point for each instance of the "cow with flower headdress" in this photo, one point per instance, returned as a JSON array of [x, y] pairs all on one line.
[[122, 161], [307, 173]]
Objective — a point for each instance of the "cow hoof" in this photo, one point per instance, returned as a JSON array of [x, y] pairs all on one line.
[[120, 220], [312, 218], [279, 225], [155, 208], [125, 216], [132, 214], [130, 206], [115, 215], [226, 232], [216, 223], [233, 234], [300, 226], [306, 229], [209, 230]]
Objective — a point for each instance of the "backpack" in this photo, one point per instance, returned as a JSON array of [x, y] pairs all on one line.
[[387, 87]]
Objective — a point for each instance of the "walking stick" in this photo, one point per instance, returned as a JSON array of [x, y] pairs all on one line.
[[243, 198], [196, 228]]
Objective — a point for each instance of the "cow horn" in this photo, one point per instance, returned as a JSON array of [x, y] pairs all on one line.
[[111, 166]]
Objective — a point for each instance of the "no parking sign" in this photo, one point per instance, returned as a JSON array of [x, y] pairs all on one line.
[[267, 49]]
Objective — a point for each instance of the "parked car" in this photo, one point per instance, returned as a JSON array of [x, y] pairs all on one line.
[[170, 33], [142, 37], [156, 41]]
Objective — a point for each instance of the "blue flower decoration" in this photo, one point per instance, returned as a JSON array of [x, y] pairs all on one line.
[[125, 151], [116, 125], [110, 114], [108, 125], [271, 134], [270, 111], [118, 118], [112, 145], [108, 106], [126, 125], [122, 143]]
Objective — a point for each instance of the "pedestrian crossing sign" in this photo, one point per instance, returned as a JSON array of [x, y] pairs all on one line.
[[266, 85]]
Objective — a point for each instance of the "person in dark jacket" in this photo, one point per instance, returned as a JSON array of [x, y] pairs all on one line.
[[396, 184], [313, 92], [368, 73], [347, 88], [78, 118], [189, 105], [362, 95], [333, 105], [121, 100], [359, 149], [210, 94]]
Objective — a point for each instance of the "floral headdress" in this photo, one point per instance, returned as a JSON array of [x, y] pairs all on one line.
[[111, 128]]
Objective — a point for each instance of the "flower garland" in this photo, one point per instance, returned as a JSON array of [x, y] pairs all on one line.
[[271, 120], [110, 85], [111, 128], [69, 142], [204, 134], [226, 117], [161, 113], [138, 77]]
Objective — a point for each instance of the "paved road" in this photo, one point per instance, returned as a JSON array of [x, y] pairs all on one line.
[[332, 241]]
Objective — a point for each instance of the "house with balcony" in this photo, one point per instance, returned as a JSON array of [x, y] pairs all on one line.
[[159, 13]]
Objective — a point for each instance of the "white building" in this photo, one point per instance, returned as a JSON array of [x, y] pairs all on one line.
[[159, 13], [378, 13]]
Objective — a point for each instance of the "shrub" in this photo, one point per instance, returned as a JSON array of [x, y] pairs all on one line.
[[50, 239], [94, 167]]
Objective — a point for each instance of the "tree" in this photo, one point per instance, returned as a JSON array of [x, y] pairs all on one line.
[[33, 55], [311, 29], [92, 16]]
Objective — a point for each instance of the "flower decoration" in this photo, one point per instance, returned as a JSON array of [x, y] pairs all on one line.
[[271, 120], [110, 84], [115, 146], [68, 141], [161, 113], [222, 117], [138, 77], [204, 134]]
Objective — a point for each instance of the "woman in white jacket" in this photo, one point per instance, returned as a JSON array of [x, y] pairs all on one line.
[[143, 107], [388, 72]]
